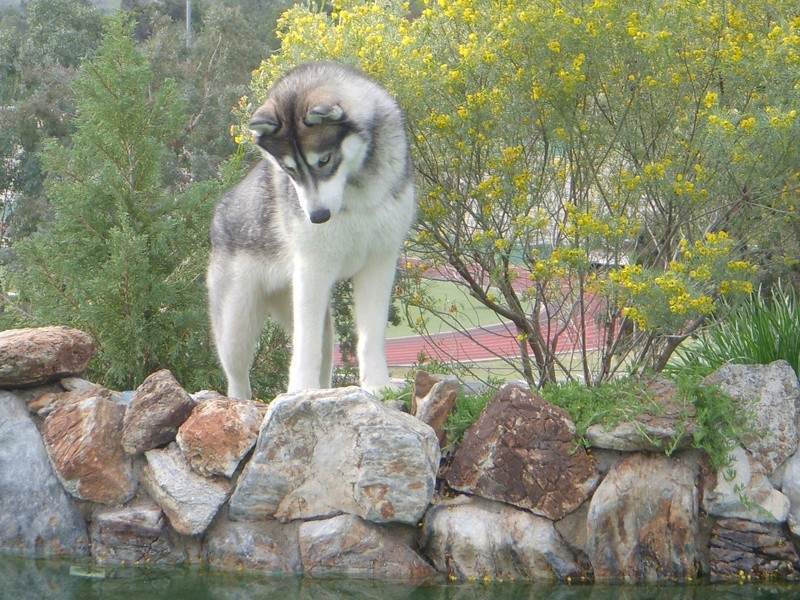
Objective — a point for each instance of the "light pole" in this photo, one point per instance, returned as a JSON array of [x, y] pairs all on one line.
[[188, 23]]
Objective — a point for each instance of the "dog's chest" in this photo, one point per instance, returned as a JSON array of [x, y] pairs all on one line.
[[353, 237]]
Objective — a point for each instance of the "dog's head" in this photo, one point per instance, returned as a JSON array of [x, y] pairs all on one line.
[[310, 136]]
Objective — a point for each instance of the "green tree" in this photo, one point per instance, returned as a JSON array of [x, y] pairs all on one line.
[[588, 171], [124, 255], [40, 50], [212, 76]]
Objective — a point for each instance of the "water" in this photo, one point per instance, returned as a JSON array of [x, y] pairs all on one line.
[[49, 580]]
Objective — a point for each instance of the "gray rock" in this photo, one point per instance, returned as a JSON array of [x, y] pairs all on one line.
[[159, 407], [643, 522], [83, 441], [37, 517], [522, 451], [743, 491], [132, 534], [347, 546], [325, 452], [219, 433], [190, 501], [471, 538], [772, 393], [34, 356], [270, 547]]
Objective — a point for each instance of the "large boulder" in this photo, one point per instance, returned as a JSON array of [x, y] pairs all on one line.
[[347, 546], [522, 451], [37, 517], [643, 522], [772, 394], [159, 407], [219, 433], [83, 441], [325, 452], [34, 356], [470, 538], [190, 501]]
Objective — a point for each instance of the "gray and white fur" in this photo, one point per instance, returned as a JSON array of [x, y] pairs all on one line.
[[333, 199]]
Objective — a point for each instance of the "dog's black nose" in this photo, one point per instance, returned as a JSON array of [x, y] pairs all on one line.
[[320, 216]]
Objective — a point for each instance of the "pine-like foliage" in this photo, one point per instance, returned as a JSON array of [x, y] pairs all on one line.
[[124, 257]]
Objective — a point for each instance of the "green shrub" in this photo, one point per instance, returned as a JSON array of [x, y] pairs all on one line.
[[719, 425]]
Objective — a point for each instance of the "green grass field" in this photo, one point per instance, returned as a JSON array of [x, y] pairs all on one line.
[[445, 295]]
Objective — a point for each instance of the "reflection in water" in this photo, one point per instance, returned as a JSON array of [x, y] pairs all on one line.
[[50, 580]]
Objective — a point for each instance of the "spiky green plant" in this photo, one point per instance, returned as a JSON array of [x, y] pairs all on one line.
[[763, 329]]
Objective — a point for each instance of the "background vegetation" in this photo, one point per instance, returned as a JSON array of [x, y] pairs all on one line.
[[583, 160], [115, 139], [580, 165]]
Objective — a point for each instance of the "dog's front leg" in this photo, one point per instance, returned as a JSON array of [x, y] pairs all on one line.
[[372, 295], [311, 289]]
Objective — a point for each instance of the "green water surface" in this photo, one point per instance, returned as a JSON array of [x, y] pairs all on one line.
[[47, 580]]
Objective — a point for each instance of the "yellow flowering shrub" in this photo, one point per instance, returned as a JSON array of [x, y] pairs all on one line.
[[571, 153]]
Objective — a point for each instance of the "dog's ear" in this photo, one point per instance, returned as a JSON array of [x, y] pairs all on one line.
[[331, 113], [265, 120]]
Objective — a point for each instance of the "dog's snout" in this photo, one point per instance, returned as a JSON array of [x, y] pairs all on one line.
[[320, 215]]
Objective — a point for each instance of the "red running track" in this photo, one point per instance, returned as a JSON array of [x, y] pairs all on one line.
[[488, 343], [496, 341]]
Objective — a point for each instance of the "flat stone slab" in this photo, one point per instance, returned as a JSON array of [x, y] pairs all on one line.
[[190, 501], [666, 423]]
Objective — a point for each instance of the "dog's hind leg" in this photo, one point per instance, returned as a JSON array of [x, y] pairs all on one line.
[[372, 295], [238, 315]]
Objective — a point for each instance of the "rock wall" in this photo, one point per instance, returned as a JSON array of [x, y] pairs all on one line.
[[335, 483]]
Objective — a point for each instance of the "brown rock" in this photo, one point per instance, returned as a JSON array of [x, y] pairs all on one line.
[[742, 548], [219, 433], [159, 407], [83, 441], [523, 451], [434, 397], [34, 356], [643, 522], [48, 402]]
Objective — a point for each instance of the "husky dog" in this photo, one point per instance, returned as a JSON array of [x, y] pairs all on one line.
[[332, 200]]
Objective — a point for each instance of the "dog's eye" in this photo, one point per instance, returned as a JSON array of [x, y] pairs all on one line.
[[324, 160]]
